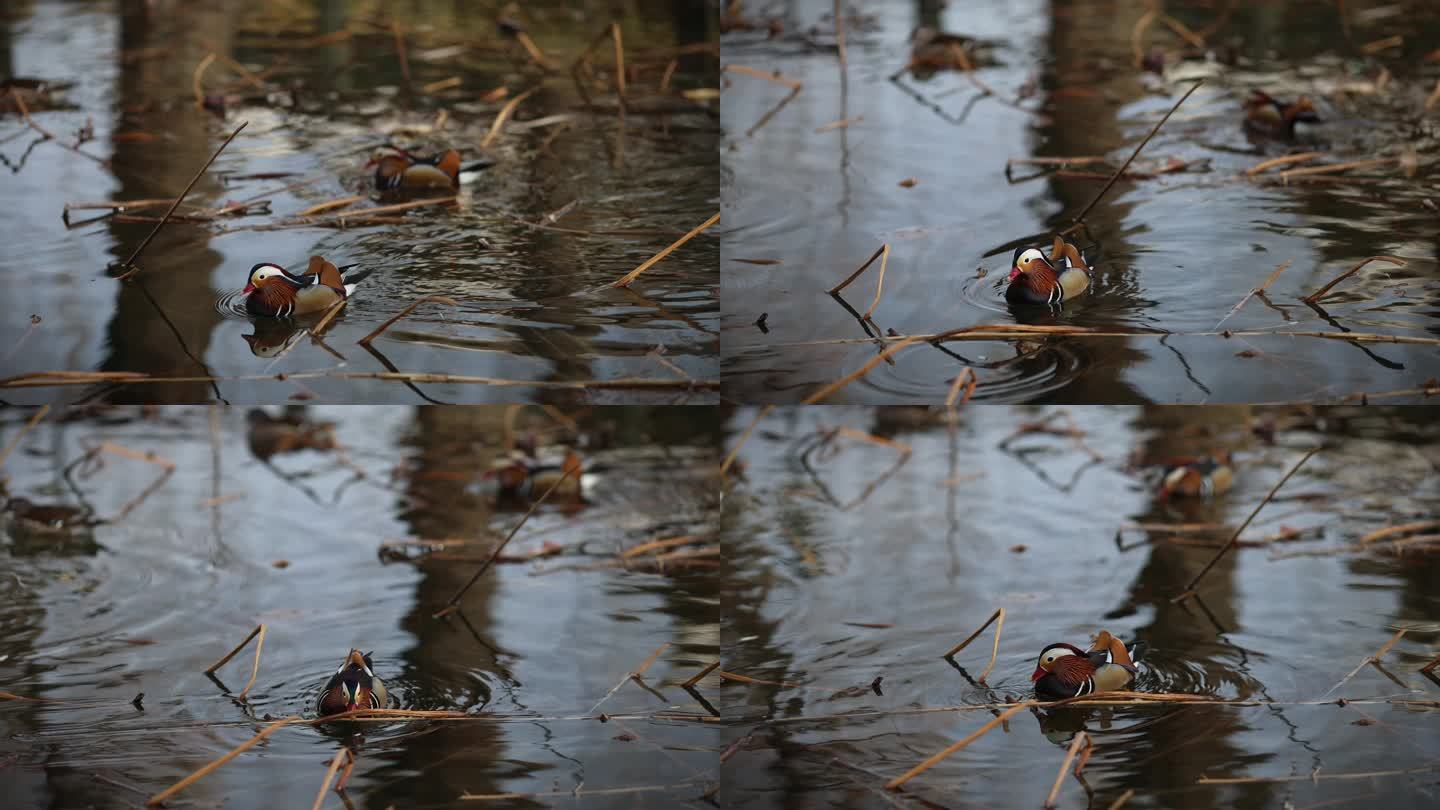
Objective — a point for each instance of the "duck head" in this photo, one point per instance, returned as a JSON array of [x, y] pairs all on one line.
[[353, 686], [264, 274], [1058, 659]]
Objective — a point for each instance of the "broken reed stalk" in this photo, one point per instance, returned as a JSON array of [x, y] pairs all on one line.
[[1122, 799], [656, 545], [882, 250], [1320, 293], [895, 783], [825, 392], [343, 753], [195, 77], [255, 669], [439, 299], [319, 329], [1282, 161], [998, 615], [619, 65], [130, 262], [206, 770], [343, 202], [879, 282], [700, 676], [454, 600], [1391, 531], [25, 112], [1075, 743], [1106, 188], [226, 659], [29, 426], [1332, 168], [760, 74], [629, 676], [744, 437], [1371, 659], [653, 260], [964, 380], [503, 116], [1234, 538], [840, 31], [1274, 274]]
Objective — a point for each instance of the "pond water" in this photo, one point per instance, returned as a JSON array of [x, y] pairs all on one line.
[[851, 560], [920, 164], [531, 294], [242, 534]]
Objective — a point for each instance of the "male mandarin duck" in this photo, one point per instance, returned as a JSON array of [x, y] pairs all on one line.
[[353, 686], [1267, 116], [397, 169], [1066, 671], [522, 476], [1038, 279], [272, 291], [1202, 477]]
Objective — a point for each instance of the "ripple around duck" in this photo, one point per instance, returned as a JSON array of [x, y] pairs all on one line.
[[1026, 369], [231, 304]]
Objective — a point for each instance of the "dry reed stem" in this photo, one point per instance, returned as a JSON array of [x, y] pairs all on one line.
[[439, 299], [1190, 588], [25, 112], [1244, 780], [1320, 293], [1142, 25], [634, 675], [966, 380], [1379, 534], [738, 678], [655, 545], [619, 65], [1122, 799], [536, 55], [503, 116], [1274, 274], [29, 426], [840, 31], [118, 205], [841, 124], [195, 80], [879, 282], [345, 774], [437, 86], [1371, 659], [454, 600], [383, 209], [223, 661], [1335, 167], [700, 676], [576, 794], [882, 250], [895, 783], [319, 329], [998, 615], [744, 437], [1183, 31], [1282, 161], [760, 74], [870, 438], [255, 669], [1435, 662], [1136, 153], [343, 753], [216, 763], [400, 51], [825, 392], [1012, 331], [653, 260], [1075, 743], [343, 202], [45, 379], [130, 262]]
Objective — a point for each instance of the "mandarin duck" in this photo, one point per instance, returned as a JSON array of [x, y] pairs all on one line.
[[1038, 279], [397, 169], [1202, 477], [1264, 115], [1065, 671], [353, 686], [931, 50], [274, 292], [291, 432], [522, 477]]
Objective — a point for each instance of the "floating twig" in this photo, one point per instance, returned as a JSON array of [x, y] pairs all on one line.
[[1403, 528], [216, 763], [1274, 274], [1320, 293], [130, 262], [744, 437], [1234, 538], [503, 116], [29, 426], [1335, 167], [650, 262], [1372, 659], [438, 299], [1136, 153], [1079, 739], [895, 783], [1282, 161], [997, 616]]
